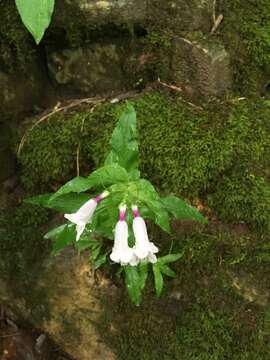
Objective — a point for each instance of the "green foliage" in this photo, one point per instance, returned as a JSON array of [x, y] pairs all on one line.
[[121, 176], [36, 16], [124, 145]]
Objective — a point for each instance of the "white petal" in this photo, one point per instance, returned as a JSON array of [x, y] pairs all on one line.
[[80, 229], [153, 248], [134, 260], [141, 252], [152, 258], [84, 214], [140, 230], [121, 252], [144, 249]]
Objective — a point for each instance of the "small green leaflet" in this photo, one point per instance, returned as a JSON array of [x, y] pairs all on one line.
[[100, 178], [36, 16], [158, 279], [169, 258], [161, 267], [61, 236], [179, 209], [124, 145], [68, 203], [135, 279]]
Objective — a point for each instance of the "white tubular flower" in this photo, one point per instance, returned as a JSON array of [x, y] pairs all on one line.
[[144, 249], [121, 252], [85, 213]]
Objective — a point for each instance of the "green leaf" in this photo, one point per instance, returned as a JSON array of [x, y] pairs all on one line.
[[169, 258], [166, 270], [143, 271], [36, 16], [41, 200], [133, 283], [68, 203], [181, 210], [147, 195], [158, 279], [100, 178], [124, 145], [101, 260], [76, 185], [61, 236], [108, 175]]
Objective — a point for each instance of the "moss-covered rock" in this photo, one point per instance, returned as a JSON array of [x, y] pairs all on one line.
[[245, 32], [216, 308], [243, 197]]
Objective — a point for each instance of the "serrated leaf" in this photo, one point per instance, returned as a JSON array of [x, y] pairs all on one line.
[[67, 203], [124, 145], [169, 258], [61, 236], [36, 16], [133, 283], [76, 185], [166, 270], [100, 178], [158, 279], [179, 209]]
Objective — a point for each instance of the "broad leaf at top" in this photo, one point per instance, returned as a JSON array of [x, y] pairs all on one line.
[[124, 145], [36, 16]]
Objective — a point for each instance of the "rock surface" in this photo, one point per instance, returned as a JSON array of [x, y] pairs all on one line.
[[203, 65], [64, 302], [20, 93]]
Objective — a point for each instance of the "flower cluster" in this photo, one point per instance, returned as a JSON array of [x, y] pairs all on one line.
[[122, 253]]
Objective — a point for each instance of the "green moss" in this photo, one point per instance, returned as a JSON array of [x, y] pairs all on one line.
[[246, 33], [16, 45], [181, 150], [201, 314], [243, 197], [21, 244]]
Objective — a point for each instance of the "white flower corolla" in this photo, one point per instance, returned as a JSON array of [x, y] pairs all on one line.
[[121, 252], [85, 213], [143, 249]]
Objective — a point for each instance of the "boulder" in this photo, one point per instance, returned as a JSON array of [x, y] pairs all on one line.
[[63, 300], [202, 65], [98, 68], [21, 93]]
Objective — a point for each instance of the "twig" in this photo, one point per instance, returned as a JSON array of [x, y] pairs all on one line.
[[10, 335], [79, 144], [172, 87], [175, 88], [214, 11], [53, 112], [217, 23], [216, 20]]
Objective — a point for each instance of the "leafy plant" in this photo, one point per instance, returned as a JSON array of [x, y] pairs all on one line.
[[123, 193], [36, 16]]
